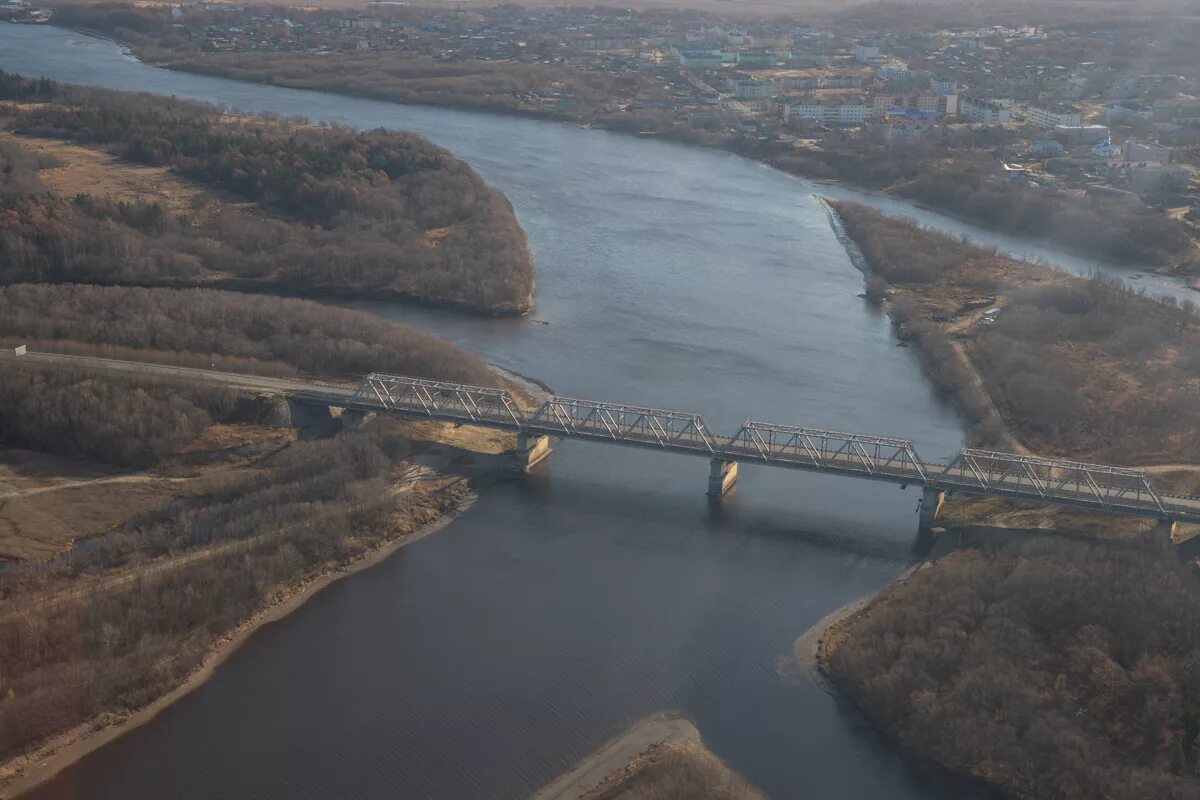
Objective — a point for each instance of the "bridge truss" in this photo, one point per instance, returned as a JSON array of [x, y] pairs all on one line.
[[1050, 478], [820, 448], [564, 416], [972, 471], [438, 399]]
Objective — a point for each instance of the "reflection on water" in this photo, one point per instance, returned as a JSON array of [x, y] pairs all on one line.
[[481, 662]]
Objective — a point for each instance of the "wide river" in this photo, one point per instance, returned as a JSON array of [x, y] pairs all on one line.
[[485, 660]]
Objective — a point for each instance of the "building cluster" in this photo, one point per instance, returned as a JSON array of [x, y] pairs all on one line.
[[1066, 98], [22, 11]]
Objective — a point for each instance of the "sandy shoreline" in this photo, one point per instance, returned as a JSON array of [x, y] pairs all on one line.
[[619, 753], [806, 650], [28, 771]]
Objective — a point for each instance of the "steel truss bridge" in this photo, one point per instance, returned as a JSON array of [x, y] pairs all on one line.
[[1089, 487]]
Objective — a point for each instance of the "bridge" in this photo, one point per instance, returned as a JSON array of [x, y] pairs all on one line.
[[1070, 484], [1060, 482]]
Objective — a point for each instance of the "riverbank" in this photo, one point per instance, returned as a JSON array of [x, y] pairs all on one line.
[[1037, 359], [810, 648], [659, 758], [452, 495]]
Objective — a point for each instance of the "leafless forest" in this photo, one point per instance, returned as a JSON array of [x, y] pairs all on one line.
[[1049, 668], [1078, 367], [347, 212]]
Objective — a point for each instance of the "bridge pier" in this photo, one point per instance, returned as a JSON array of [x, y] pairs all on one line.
[[531, 451], [722, 476], [1163, 531], [311, 418], [931, 504], [353, 420]]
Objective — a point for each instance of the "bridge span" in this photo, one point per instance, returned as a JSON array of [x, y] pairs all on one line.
[[1069, 484]]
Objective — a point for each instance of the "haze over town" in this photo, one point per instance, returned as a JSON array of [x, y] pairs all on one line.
[[886, 477]]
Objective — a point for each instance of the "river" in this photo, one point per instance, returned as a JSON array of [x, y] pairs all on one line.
[[483, 661]]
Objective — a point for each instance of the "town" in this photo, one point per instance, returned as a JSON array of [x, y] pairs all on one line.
[[1056, 109]]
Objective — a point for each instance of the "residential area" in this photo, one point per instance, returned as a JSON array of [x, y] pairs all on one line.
[[1053, 108]]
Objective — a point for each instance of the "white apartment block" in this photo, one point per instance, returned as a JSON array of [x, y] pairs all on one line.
[[894, 72], [943, 103], [750, 88], [1048, 117], [865, 52], [828, 111], [987, 113]]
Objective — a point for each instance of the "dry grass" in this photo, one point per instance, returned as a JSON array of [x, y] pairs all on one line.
[[479, 440], [434, 236], [1001, 513], [86, 170], [47, 502]]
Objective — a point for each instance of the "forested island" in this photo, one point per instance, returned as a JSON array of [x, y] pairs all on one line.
[[1050, 654], [316, 209]]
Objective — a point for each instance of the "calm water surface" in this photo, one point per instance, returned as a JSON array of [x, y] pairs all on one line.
[[485, 660]]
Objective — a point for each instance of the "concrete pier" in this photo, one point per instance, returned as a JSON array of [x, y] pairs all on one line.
[[311, 417], [354, 420], [722, 476], [1164, 531], [531, 451], [931, 504]]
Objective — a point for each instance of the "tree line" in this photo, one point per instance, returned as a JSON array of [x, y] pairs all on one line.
[[1108, 230], [136, 421], [119, 420], [240, 332]]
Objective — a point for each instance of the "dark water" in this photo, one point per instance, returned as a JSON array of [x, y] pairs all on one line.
[[485, 660]]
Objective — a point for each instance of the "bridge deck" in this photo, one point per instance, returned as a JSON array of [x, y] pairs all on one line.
[[1064, 483], [1070, 484]]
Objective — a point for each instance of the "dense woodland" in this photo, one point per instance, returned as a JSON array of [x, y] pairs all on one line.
[[1077, 367], [135, 421], [1109, 230], [236, 332], [113, 650], [112, 419], [1049, 668], [351, 212]]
